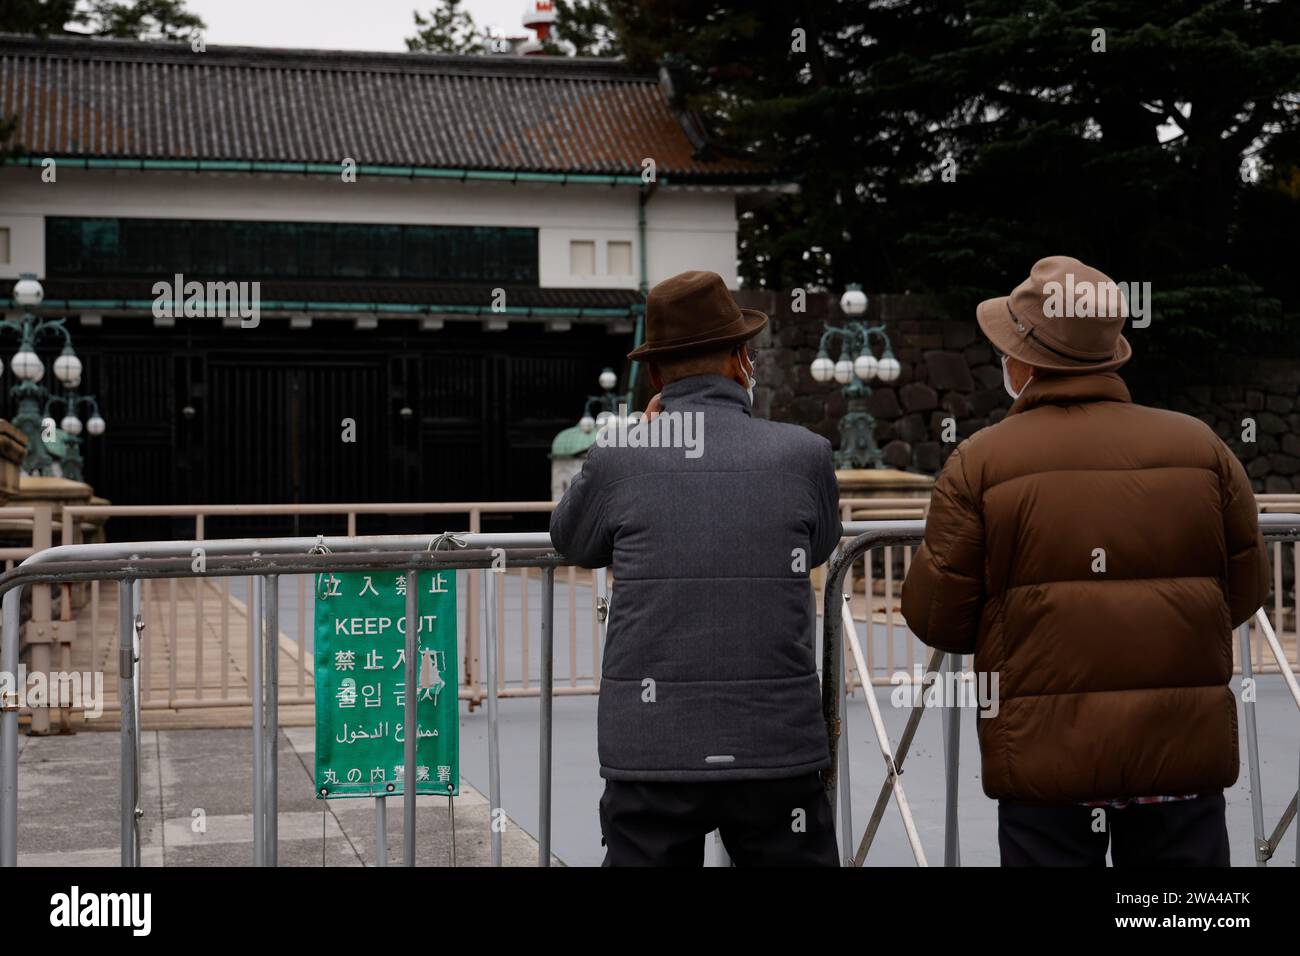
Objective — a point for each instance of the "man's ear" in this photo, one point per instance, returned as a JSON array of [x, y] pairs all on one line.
[[656, 380]]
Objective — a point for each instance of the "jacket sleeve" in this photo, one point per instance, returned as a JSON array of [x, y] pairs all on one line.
[[944, 590], [1248, 569], [578, 527], [828, 530]]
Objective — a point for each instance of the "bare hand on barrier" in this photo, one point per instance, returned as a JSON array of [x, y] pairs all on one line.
[[655, 406]]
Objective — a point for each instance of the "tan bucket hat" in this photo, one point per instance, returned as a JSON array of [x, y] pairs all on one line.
[[1065, 318]]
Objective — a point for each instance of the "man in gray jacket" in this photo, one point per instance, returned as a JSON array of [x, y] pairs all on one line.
[[710, 708]]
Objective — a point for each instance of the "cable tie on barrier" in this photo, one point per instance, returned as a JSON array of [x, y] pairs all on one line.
[[450, 538], [320, 548]]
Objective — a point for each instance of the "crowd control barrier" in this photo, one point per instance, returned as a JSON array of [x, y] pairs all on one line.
[[840, 632], [131, 563]]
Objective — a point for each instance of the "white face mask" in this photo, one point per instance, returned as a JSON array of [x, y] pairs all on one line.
[[1006, 381], [750, 381]]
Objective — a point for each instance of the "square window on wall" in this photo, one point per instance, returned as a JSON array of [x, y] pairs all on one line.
[[618, 259], [582, 257]]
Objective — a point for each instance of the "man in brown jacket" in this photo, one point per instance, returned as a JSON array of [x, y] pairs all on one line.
[[1095, 555]]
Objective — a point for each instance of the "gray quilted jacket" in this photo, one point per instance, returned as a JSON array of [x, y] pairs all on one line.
[[709, 669]]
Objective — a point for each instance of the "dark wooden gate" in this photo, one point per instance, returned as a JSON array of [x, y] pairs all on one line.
[[203, 415]]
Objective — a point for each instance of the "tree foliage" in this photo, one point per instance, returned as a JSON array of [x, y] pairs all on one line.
[[447, 28], [140, 19], [1159, 141]]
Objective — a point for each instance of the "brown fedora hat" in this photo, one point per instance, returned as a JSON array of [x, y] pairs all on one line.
[[694, 312], [1065, 318]]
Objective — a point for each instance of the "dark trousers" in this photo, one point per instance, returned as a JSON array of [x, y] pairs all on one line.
[[1181, 833], [762, 822]]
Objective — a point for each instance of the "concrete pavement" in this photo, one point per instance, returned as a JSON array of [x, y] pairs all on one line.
[[196, 793]]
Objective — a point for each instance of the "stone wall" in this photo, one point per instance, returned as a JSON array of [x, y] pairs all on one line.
[[1265, 395], [949, 371]]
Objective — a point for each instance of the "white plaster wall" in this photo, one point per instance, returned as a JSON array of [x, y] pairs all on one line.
[[685, 229], [26, 244]]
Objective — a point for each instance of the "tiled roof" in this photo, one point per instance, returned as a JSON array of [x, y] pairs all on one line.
[[128, 99], [316, 294]]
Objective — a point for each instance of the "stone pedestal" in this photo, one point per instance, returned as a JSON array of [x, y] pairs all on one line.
[[48, 642], [892, 488], [13, 448], [881, 494]]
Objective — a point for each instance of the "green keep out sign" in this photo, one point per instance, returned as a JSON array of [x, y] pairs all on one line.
[[361, 684]]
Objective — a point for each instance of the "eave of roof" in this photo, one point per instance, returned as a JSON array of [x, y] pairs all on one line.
[[106, 102], [279, 58]]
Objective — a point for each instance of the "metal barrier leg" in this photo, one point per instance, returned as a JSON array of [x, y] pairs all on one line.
[[259, 729], [1252, 747], [544, 694], [846, 787], [9, 733], [271, 708], [893, 765], [126, 697], [411, 728], [832, 709], [137, 647], [1267, 848], [381, 832], [491, 579], [952, 754]]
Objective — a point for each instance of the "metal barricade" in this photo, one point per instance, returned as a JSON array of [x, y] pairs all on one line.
[[132, 563], [840, 629], [135, 562]]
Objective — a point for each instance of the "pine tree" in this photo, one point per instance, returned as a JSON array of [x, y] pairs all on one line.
[[944, 145], [446, 28]]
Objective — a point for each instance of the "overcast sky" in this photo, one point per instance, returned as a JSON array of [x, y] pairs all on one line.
[[336, 24]]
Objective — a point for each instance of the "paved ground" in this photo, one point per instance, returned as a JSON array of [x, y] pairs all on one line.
[[578, 785], [69, 791], [195, 790], [68, 794]]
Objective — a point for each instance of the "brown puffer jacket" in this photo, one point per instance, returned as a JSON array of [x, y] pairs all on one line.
[[1111, 683]]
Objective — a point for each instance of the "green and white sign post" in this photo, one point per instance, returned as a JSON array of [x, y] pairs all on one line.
[[364, 710]]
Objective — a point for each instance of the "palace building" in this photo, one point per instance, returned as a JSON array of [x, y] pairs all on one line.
[[446, 251]]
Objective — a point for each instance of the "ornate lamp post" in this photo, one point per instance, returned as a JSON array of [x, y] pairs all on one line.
[[571, 444], [605, 406], [857, 427], [28, 368], [72, 426]]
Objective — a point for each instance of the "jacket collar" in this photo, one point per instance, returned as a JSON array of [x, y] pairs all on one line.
[[706, 390], [1071, 390]]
